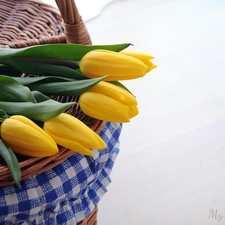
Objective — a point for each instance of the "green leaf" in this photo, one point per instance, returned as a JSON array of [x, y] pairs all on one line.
[[13, 91], [12, 162], [72, 52], [41, 111], [3, 115], [32, 67], [39, 96], [119, 84], [72, 88], [44, 79], [7, 70]]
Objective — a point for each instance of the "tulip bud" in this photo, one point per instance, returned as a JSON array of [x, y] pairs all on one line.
[[24, 137], [72, 133], [117, 66], [144, 57], [106, 101]]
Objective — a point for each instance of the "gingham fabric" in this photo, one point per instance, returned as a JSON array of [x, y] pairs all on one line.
[[65, 194]]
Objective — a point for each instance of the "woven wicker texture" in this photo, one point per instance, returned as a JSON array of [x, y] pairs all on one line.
[[75, 29], [25, 23], [31, 22], [91, 219]]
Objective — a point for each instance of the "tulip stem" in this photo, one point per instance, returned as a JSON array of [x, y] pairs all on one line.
[[3, 115]]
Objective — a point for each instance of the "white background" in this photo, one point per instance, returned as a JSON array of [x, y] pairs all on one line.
[[171, 167]]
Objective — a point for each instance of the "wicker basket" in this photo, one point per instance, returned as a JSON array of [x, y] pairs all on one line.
[[32, 22]]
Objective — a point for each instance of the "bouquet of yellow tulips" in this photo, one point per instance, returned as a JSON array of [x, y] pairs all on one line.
[[32, 123]]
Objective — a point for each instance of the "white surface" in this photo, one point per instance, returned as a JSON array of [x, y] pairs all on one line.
[[171, 167], [88, 9]]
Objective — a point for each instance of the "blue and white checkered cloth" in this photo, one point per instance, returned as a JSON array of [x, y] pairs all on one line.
[[65, 194]]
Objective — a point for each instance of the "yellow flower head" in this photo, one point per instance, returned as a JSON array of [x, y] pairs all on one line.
[[23, 136], [116, 65], [106, 101], [72, 133]]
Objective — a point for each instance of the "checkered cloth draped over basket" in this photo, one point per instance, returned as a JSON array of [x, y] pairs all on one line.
[[65, 194]]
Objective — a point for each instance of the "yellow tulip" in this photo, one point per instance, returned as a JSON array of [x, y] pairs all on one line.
[[116, 65], [106, 101], [144, 57], [24, 137], [72, 133]]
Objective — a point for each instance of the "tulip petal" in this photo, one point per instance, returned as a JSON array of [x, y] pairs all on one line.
[[133, 111], [72, 145], [117, 66], [115, 92], [28, 137], [102, 107], [71, 128], [153, 66], [32, 153], [30, 123], [144, 57]]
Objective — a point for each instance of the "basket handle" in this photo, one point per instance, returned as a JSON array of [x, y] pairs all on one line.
[[75, 29]]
